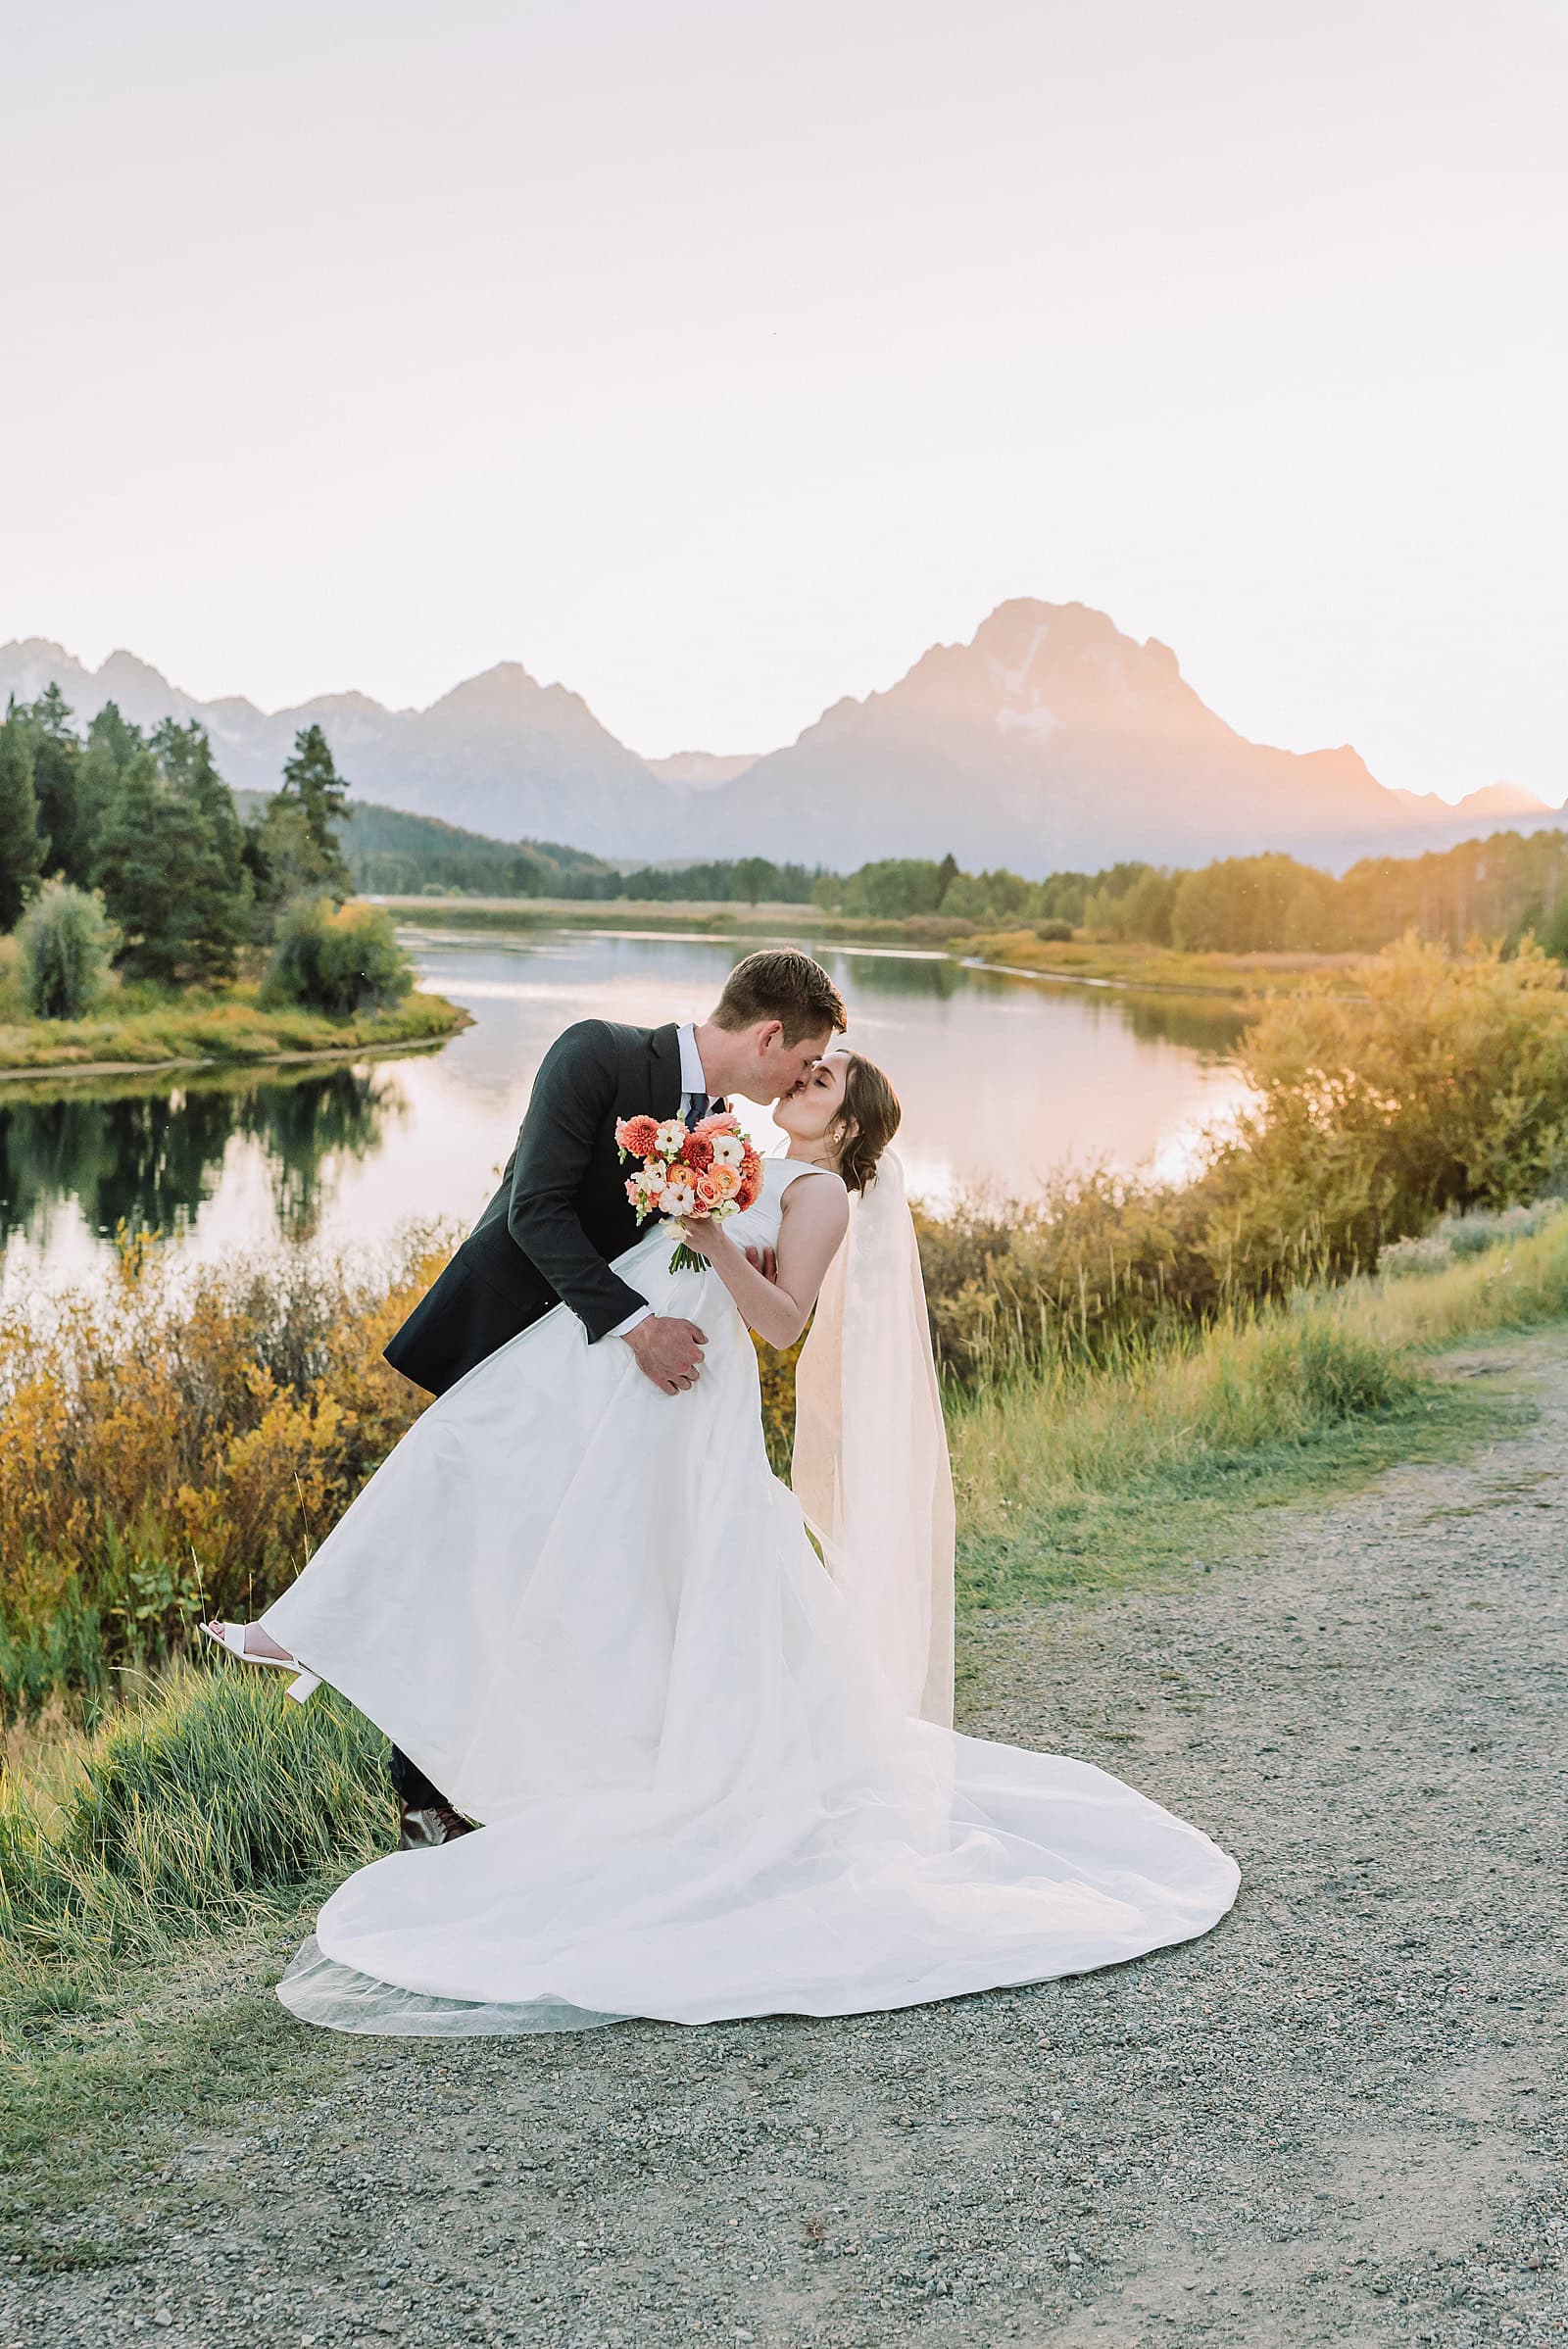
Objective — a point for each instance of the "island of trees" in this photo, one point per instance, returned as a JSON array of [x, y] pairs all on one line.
[[125, 865]]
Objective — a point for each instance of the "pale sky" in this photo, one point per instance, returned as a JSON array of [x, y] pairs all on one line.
[[715, 357]]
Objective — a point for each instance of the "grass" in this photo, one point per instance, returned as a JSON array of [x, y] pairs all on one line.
[[227, 1026], [1079, 1479], [211, 1811], [724, 918], [149, 1872], [199, 1805], [92, 2116], [209, 1797], [1159, 968]]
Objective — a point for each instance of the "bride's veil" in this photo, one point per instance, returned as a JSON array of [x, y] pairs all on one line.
[[870, 1467]]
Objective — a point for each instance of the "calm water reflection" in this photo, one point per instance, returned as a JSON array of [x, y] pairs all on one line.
[[1002, 1079]]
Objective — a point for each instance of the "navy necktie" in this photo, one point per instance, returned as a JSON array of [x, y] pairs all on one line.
[[702, 1108]]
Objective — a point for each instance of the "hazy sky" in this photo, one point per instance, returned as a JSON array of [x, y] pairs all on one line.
[[718, 356]]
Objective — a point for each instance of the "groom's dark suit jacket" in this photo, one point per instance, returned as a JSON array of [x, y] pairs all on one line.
[[560, 1214]]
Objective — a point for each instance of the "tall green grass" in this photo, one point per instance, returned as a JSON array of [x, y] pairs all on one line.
[[201, 1806], [1078, 1477]]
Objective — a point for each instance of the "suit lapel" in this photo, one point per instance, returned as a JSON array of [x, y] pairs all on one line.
[[663, 1071]]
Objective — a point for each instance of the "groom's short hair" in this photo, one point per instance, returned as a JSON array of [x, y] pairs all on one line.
[[786, 985]]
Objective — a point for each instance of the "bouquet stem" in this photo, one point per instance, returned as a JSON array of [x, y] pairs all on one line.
[[686, 1259]]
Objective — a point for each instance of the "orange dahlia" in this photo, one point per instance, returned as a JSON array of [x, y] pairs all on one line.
[[637, 1135]]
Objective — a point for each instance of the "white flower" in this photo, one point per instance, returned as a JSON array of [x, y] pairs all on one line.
[[677, 1199], [670, 1137], [728, 1150], [650, 1182]]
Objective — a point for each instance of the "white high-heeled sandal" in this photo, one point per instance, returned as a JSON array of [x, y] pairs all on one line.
[[231, 1638]]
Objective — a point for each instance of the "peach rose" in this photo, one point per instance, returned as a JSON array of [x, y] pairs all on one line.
[[721, 1181]]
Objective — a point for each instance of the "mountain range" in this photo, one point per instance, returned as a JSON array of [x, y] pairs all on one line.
[[1049, 741]]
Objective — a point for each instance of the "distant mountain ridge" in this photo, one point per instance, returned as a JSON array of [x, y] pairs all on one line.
[[499, 755], [1052, 741], [703, 770], [1049, 741]]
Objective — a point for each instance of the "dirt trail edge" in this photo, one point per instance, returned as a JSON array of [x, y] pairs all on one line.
[[1338, 2118]]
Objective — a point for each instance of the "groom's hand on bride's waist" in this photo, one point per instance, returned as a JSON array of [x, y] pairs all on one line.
[[668, 1351]]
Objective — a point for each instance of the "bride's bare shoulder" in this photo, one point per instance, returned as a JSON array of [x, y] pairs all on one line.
[[826, 1199], [807, 1166]]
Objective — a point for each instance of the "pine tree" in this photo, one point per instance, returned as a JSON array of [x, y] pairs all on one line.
[[284, 860], [186, 757], [171, 864], [115, 736], [947, 874], [754, 877], [56, 774], [311, 779], [20, 848], [112, 742], [134, 862]]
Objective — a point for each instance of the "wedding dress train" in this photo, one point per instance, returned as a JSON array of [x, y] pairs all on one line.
[[594, 1617]]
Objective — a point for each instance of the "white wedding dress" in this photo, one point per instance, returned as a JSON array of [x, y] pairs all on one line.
[[594, 1617]]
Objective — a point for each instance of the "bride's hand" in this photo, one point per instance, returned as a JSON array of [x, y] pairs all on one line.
[[701, 1235]]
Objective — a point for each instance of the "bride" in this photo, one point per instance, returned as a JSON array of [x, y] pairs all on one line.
[[715, 1769]]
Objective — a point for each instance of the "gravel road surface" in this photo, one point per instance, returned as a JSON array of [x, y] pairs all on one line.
[[1339, 2119]]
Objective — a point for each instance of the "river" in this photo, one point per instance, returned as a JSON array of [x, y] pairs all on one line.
[[1002, 1080]]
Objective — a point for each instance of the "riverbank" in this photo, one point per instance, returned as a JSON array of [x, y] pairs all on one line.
[[199, 1031], [1159, 970], [662, 916]]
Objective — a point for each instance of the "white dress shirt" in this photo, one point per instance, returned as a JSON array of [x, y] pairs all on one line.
[[693, 1086]]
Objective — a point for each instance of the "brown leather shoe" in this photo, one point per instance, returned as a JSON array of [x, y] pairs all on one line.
[[419, 1831]]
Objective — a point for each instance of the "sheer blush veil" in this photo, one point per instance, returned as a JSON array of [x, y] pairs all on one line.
[[870, 1465]]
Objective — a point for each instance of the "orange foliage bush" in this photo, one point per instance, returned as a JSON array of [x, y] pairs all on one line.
[[172, 1445]]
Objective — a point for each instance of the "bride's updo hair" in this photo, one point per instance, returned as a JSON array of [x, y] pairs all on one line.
[[869, 1118]]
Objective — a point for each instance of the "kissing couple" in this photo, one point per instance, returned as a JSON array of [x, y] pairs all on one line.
[[700, 1719]]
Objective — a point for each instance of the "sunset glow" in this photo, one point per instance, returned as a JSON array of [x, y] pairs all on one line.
[[717, 360]]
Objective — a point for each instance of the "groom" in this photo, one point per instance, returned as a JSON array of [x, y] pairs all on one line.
[[561, 1213]]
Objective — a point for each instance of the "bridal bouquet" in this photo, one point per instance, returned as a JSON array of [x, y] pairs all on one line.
[[707, 1170]]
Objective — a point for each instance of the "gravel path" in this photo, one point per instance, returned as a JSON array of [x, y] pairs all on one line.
[[1338, 2118]]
